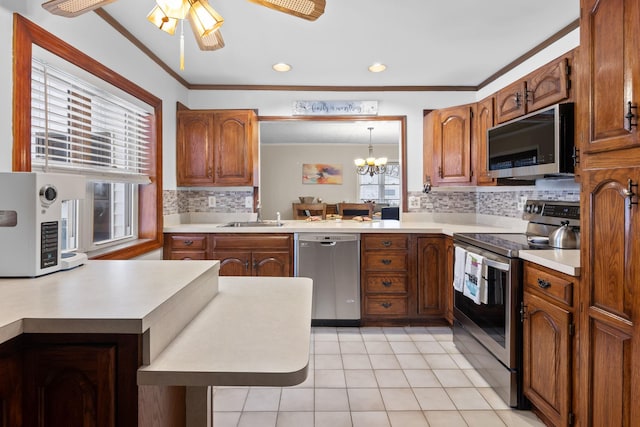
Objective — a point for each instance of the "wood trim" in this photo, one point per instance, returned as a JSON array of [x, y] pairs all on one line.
[[403, 137], [119, 28], [25, 35]]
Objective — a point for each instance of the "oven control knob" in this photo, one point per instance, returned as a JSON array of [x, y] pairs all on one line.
[[48, 194], [527, 208]]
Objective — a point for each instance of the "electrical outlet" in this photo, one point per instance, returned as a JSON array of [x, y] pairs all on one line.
[[212, 201], [414, 202], [248, 202], [521, 203]]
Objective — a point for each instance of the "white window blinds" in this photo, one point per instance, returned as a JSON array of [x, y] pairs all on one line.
[[79, 128]]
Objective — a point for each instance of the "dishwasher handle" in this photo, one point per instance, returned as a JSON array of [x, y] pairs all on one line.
[[328, 243]]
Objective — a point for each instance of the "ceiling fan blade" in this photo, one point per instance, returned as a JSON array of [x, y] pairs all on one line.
[[71, 8], [306, 9]]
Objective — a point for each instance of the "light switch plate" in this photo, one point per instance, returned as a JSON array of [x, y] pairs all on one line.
[[414, 202], [212, 201], [248, 202]]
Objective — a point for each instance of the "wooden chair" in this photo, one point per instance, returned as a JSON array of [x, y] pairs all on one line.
[[305, 210], [349, 210]]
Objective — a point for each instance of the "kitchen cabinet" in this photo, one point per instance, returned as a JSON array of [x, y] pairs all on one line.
[[448, 282], [385, 276], [185, 246], [545, 86], [431, 276], [484, 120], [452, 145], [216, 148], [253, 254], [548, 345], [610, 295], [609, 84], [10, 384]]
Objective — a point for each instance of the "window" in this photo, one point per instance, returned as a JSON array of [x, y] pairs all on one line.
[[79, 128], [126, 189], [383, 188]]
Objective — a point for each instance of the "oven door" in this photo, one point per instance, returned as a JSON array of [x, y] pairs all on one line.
[[493, 324]]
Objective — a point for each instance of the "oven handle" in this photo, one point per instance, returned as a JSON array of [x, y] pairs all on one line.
[[495, 264]]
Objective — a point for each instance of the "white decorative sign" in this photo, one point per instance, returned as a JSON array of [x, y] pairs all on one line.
[[335, 108]]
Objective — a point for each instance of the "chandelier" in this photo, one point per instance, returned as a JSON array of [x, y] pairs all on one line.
[[371, 165]]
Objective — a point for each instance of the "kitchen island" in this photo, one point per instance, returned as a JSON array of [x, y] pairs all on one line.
[[141, 341]]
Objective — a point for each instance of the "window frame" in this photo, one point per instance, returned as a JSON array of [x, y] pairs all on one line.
[[25, 35], [382, 185]]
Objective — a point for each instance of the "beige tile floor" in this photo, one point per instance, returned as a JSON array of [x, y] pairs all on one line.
[[375, 377]]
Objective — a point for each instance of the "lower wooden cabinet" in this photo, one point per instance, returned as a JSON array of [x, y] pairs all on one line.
[[240, 254], [548, 346], [10, 385], [403, 278]]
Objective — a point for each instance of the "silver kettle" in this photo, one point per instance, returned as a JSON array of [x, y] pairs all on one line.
[[564, 237]]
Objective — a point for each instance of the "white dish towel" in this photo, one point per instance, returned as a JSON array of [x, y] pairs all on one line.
[[473, 280], [458, 268]]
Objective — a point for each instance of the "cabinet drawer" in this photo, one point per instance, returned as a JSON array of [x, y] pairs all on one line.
[[386, 283], [385, 306], [554, 285], [386, 261], [387, 241], [186, 255], [195, 242], [249, 241]]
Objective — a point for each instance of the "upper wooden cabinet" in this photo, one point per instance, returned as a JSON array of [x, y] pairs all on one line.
[[547, 85], [484, 120], [452, 145], [217, 148], [609, 83]]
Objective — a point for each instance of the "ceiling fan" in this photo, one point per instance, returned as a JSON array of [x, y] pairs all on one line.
[[205, 21]]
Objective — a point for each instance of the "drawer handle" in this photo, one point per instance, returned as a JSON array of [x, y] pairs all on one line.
[[188, 242], [386, 243], [543, 283], [386, 304], [386, 261], [387, 283]]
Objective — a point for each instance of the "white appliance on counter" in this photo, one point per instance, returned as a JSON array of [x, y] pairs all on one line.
[[31, 222]]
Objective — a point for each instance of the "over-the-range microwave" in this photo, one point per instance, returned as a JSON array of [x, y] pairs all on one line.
[[532, 146]]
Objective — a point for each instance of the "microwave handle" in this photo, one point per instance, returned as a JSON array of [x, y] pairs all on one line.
[[495, 264]]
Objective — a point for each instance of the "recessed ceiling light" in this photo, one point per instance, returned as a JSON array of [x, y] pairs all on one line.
[[281, 67], [377, 67]]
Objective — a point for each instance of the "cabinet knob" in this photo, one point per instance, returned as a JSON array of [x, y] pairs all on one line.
[[386, 304], [387, 283], [386, 243], [188, 242], [543, 283], [386, 261]]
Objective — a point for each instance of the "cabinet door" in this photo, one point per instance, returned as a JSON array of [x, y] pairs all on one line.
[[452, 145], [548, 85], [448, 282], [272, 264], [432, 260], [610, 75], [194, 161], [71, 385], [234, 263], [235, 144], [510, 102], [547, 358], [610, 293], [10, 385], [483, 121]]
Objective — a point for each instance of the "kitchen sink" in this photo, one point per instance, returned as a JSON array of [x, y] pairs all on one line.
[[252, 224]]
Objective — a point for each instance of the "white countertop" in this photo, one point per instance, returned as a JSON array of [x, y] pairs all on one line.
[[256, 331], [563, 260]]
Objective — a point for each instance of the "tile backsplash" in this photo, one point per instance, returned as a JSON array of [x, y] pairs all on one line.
[[499, 201]]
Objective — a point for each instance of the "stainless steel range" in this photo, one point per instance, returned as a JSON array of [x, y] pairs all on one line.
[[487, 328]]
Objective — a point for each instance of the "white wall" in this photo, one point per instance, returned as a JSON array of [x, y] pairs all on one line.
[[281, 174], [94, 37]]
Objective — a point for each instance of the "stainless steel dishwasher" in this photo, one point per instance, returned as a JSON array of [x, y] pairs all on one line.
[[333, 262]]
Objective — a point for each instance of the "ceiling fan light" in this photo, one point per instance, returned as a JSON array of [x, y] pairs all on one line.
[[306, 9], [71, 8], [176, 9], [212, 41], [204, 19], [162, 21]]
